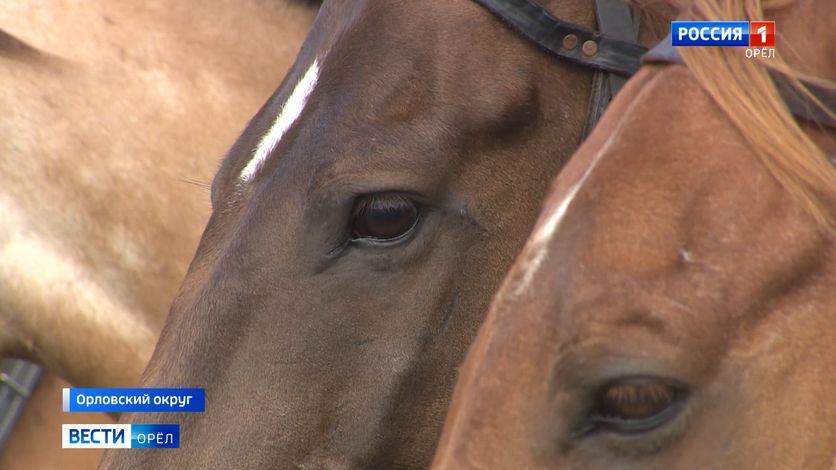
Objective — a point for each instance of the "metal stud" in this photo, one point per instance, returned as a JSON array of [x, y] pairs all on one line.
[[570, 41], [589, 48]]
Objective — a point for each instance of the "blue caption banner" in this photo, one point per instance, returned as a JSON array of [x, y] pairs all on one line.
[[142, 400], [709, 33], [120, 436]]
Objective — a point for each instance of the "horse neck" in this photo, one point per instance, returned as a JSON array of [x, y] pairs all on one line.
[[73, 327]]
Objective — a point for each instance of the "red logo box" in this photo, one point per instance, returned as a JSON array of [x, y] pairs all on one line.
[[762, 34]]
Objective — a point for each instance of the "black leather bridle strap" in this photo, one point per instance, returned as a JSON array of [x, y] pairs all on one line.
[[799, 105], [566, 40], [614, 20]]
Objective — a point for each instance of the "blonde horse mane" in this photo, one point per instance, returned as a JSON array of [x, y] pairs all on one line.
[[743, 89]]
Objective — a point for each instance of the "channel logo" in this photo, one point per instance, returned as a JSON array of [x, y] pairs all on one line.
[[120, 436], [723, 33]]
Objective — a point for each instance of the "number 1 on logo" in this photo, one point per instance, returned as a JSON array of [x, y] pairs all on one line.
[[762, 32]]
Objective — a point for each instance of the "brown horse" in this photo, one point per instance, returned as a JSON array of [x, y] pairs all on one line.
[[360, 226], [674, 307], [110, 111]]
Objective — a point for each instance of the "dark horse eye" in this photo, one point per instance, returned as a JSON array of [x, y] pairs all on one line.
[[637, 405], [384, 216]]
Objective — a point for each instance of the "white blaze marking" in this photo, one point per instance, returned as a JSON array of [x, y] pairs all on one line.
[[545, 233], [538, 245], [289, 113]]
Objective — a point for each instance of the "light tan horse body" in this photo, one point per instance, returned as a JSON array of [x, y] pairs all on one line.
[[110, 111], [100, 137], [101, 134], [675, 305]]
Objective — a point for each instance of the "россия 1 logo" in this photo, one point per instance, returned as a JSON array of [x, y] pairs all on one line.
[[751, 34]]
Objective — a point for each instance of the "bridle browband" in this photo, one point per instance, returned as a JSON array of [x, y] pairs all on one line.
[[608, 51], [614, 55]]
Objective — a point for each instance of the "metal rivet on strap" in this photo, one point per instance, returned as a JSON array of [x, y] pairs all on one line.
[[570, 41], [589, 48]]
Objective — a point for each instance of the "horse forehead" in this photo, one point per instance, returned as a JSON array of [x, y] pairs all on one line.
[[678, 242], [611, 212], [333, 46], [574, 179], [288, 114], [641, 196], [354, 86]]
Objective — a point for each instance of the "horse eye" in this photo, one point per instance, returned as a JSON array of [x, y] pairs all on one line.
[[637, 405], [383, 217], [636, 399]]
